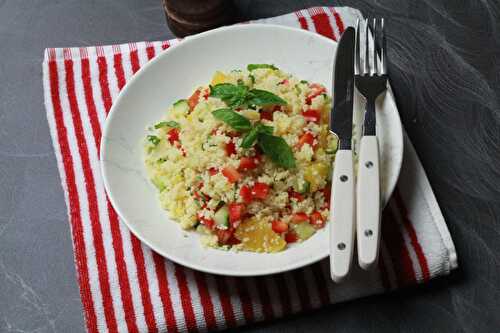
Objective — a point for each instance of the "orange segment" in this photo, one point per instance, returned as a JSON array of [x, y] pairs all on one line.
[[258, 236]]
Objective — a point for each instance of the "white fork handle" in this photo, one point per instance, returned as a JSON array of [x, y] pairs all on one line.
[[368, 203], [342, 222]]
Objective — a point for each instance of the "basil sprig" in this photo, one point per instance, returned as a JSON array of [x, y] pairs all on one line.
[[238, 95], [273, 146]]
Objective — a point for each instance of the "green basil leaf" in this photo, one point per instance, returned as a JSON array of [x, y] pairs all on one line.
[[265, 129], [232, 95], [233, 119], [250, 138], [153, 139], [251, 67], [277, 149], [263, 98], [171, 123]]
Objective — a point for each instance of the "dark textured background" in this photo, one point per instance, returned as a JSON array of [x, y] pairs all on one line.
[[445, 70]]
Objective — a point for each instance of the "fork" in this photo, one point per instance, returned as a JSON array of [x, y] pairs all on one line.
[[371, 82]]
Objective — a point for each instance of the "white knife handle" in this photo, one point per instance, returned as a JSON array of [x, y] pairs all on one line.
[[342, 216], [368, 203]]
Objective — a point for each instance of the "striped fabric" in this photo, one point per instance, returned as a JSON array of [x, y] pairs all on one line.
[[125, 287]]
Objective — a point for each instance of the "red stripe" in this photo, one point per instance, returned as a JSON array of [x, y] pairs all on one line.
[[265, 300], [338, 20], [168, 310], [98, 243], [165, 44], [321, 283], [322, 23], [150, 52], [143, 284], [302, 21], [225, 301], [119, 72], [283, 293], [130, 317], [422, 260], [103, 81], [134, 59], [305, 300], [246, 301], [206, 301], [73, 202], [185, 296], [398, 251]]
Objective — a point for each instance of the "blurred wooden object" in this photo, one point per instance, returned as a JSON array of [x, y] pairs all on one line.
[[187, 17]]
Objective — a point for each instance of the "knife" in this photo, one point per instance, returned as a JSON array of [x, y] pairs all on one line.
[[342, 226]]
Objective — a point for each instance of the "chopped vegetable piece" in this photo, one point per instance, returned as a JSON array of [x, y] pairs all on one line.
[[291, 237], [312, 116], [260, 190], [231, 174], [248, 163], [317, 220], [246, 194], [295, 195], [267, 115], [306, 138], [236, 212], [153, 139], [252, 67], [304, 230], [194, 99], [224, 236], [279, 226], [167, 124], [221, 218], [230, 148], [173, 135], [209, 223], [299, 218]]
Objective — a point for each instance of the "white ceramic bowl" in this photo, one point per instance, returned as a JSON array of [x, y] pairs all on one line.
[[173, 75]]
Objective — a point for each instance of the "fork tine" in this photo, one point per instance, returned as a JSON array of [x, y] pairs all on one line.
[[374, 50], [383, 48], [367, 50], [357, 57]]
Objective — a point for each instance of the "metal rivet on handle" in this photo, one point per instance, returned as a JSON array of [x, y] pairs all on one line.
[[369, 164], [343, 178], [341, 246], [368, 232]]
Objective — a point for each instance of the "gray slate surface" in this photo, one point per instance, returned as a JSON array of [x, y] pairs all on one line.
[[445, 68]]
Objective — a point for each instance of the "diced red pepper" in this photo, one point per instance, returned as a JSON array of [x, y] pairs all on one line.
[[260, 190], [279, 226], [299, 218], [233, 240], [246, 194], [173, 135], [267, 115], [233, 134], [224, 235], [308, 138], [285, 81], [312, 115], [295, 195], [236, 212], [209, 223], [206, 94], [291, 237], [327, 193], [248, 163], [213, 171], [317, 220], [230, 148], [194, 99], [231, 174]]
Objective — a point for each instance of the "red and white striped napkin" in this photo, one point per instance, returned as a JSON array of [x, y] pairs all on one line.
[[126, 287]]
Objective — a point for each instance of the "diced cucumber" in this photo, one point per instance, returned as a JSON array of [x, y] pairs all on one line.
[[221, 218], [302, 186], [181, 106], [158, 183], [303, 230]]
